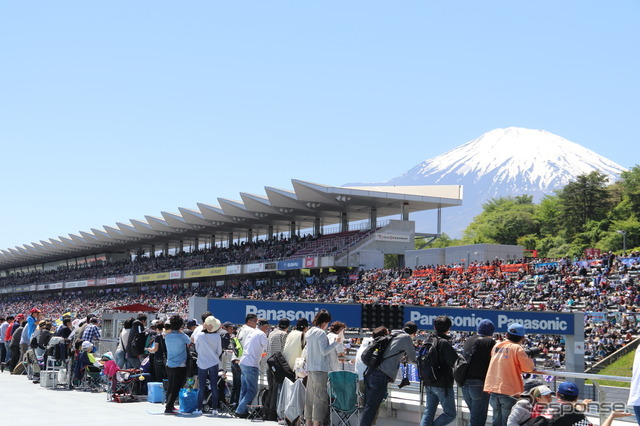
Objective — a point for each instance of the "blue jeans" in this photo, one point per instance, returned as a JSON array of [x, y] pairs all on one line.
[[477, 401], [636, 411], [375, 389], [444, 397], [248, 387], [501, 405], [210, 373]]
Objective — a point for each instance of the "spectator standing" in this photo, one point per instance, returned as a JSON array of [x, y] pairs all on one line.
[[3, 349], [377, 379], [634, 392], [441, 391], [295, 342], [504, 375], [176, 342], [254, 346], [209, 348], [120, 355], [275, 343], [480, 345], [92, 332], [134, 348], [317, 364], [336, 330]]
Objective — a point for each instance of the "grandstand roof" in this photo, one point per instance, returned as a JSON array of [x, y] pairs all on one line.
[[278, 209]]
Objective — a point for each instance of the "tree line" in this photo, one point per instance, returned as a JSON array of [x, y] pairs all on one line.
[[589, 212]]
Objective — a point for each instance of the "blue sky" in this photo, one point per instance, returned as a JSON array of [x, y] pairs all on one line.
[[113, 110]]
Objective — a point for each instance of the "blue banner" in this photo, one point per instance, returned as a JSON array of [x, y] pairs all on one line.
[[468, 319], [284, 265], [235, 311]]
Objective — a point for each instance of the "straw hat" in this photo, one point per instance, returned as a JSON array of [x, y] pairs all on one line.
[[212, 324]]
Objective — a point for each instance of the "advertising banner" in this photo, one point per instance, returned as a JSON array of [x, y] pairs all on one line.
[[310, 262], [395, 238], [254, 267], [271, 266], [208, 272], [119, 280], [234, 269], [91, 283], [128, 278], [236, 311], [468, 319], [152, 277], [175, 275], [285, 265], [111, 280], [52, 286], [75, 284], [102, 281]]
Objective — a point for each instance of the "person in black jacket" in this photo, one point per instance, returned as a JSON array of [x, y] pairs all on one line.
[[135, 345], [477, 351], [441, 391]]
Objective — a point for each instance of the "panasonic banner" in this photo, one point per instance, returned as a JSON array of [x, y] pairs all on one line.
[[235, 311], [468, 319]]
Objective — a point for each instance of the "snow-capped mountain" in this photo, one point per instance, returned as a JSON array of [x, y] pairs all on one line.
[[503, 162]]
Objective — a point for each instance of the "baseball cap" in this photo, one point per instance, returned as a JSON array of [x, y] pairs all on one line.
[[486, 327], [35, 311], [568, 389], [192, 323], [227, 324], [516, 329], [410, 327]]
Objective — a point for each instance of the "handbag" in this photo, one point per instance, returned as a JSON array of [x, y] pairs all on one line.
[[461, 366], [299, 366]]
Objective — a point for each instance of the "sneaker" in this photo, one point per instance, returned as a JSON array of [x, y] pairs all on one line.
[[241, 415], [197, 412], [214, 413], [170, 411]]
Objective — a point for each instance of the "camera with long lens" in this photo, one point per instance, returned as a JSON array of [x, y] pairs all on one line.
[[404, 382], [532, 352]]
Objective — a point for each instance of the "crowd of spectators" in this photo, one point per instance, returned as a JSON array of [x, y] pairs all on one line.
[[608, 286]]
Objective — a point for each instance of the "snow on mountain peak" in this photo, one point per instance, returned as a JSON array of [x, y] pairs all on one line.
[[539, 160]]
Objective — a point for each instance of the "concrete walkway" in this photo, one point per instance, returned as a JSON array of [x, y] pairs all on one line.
[[23, 403]]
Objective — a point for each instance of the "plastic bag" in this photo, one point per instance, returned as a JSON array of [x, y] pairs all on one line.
[[188, 400]]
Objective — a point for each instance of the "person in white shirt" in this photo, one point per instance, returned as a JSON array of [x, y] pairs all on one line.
[[253, 346], [318, 364], [209, 348]]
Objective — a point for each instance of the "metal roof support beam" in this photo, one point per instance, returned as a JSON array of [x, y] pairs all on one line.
[[165, 250], [249, 235], [181, 247], [439, 226], [316, 227], [292, 228], [196, 244], [230, 238]]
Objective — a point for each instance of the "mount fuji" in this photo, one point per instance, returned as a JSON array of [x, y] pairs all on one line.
[[504, 162]]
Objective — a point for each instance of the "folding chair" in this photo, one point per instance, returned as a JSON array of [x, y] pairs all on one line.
[[343, 397]]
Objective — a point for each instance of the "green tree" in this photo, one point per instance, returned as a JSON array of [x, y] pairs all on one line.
[[583, 200], [503, 221], [630, 182]]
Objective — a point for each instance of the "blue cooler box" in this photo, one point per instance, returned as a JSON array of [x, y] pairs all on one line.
[[155, 392]]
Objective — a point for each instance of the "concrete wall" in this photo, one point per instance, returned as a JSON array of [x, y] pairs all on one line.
[[462, 254]]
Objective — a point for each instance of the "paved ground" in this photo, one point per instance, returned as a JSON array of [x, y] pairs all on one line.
[[23, 403]]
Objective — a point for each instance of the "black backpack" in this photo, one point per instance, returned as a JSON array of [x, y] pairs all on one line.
[[429, 361], [373, 355], [280, 367]]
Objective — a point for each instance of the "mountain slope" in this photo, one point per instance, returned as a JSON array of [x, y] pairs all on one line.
[[503, 162]]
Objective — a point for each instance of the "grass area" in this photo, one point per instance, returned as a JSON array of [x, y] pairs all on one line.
[[621, 367]]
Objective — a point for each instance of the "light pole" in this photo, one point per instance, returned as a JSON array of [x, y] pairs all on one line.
[[624, 241]]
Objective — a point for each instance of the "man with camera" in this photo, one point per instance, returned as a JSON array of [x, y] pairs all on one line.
[[376, 379], [504, 376]]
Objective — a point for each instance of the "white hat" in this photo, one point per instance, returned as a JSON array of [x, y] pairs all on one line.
[[86, 345], [212, 322]]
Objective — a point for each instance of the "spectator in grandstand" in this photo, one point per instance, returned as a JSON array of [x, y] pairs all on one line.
[[477, 351], [92, 331], [209, 349], [336, 330], [176, 342], [295, 342], [441, 390], [504, 375], [253, 346], [275, 344], [376, 379], [317, 364], [120, 355]]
